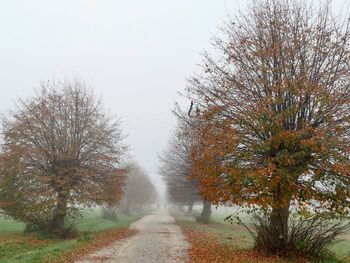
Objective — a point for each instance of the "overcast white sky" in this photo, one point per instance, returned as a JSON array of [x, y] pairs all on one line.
[[136, 53]]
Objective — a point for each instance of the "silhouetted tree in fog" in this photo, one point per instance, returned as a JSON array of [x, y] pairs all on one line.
[[176, 168], [138, 191]]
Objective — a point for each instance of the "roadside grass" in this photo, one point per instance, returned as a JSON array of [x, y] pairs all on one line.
[[341, 248], [217, 243], [15, 247], [8, 226], [232, 235], [237, 238], [93, 222]]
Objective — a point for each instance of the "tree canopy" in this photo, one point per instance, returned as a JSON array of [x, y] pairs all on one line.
[[59, 149], [275, 108]]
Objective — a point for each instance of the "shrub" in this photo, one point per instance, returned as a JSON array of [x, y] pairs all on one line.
[[311, 237]]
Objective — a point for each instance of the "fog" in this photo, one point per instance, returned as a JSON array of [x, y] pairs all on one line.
[[136, 54]]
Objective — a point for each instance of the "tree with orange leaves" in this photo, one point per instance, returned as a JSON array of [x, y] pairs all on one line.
[[113, 193], [275, 111]]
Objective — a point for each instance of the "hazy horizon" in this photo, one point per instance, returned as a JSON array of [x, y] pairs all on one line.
[[136, 54]]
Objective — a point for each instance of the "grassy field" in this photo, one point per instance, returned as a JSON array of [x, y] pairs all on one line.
[[18, 248], [237, 236], [341, 248]]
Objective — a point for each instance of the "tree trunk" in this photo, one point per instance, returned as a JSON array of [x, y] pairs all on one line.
[[190, 208], [279, 227], [58, 219], [206, 212]]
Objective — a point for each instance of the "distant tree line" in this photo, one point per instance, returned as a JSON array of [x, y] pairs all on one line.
[[176, 169], [138, 192]]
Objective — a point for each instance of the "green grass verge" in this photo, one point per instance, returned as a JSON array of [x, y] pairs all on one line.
[[17, 248], [230, 234], [8, 227], [341, 248], [239, 238]]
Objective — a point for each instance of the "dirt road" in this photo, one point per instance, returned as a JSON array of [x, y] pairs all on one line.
[[158, 240]]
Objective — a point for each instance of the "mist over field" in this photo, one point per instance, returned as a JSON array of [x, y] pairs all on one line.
[[137, 55], [174, 131]]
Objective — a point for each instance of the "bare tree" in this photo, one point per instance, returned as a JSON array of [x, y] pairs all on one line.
[[175, 167], [67, 148]]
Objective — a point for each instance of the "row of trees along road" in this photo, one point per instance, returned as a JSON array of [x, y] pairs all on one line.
[[60, 152], [138, 191], [175, 168], [273, 122]]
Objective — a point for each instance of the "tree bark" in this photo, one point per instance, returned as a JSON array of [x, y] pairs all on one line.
[[279, 227], [190, 208], [58, 219], [206, 212]]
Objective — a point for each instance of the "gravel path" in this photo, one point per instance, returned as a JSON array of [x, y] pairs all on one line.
[[158, 240]]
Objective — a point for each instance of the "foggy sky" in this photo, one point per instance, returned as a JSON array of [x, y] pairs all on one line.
[[137, 54]]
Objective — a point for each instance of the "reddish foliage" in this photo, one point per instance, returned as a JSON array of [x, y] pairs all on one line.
[[272, 132], [271, 129], [99, 241]]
